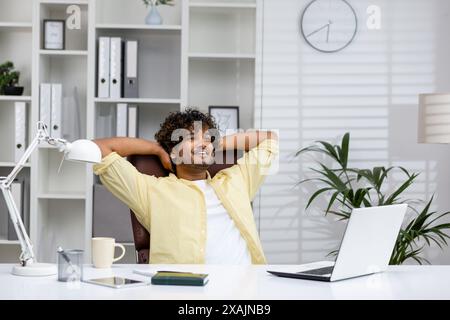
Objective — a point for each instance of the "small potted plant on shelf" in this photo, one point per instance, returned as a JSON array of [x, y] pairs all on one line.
[[153, 17], [9, 80]]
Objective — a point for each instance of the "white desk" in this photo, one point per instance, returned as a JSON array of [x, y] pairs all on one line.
[[402, 282]]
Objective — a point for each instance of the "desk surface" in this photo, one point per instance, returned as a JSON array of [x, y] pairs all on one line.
[[234, 282]]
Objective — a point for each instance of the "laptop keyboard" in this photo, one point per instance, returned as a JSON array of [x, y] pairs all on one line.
[[319, 271]]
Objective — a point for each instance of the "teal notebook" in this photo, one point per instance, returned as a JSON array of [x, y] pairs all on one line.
[[180, 279]]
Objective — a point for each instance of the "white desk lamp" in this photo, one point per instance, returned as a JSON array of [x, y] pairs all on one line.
[[434, 118], [81, 151]]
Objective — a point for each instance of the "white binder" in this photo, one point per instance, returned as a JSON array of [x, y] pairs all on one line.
[[20, 136], [56, 109], [121, 120], [45, 104], [130, 85], [133, 121], [115, 84], [103, 67]]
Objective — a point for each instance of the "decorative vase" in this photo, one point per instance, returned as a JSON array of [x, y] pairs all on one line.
[[153, 17]]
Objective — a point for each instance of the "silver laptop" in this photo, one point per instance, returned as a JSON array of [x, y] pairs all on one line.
[[366, 247]]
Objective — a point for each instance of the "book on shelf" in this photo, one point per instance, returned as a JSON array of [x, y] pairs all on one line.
[[133, 125], [115, 68], [103, 67], [127, 120], [61, 114], [118, 68], [20, 130], [45, 103], [56, 110], [130, 83], [121, 120]]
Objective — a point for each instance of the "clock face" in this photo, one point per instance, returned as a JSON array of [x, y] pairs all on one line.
[[328, 25]]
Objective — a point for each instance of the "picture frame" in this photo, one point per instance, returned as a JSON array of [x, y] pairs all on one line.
[[227, 118], [54, 34]]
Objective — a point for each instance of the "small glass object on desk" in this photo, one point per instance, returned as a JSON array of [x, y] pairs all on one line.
[[70, 265]]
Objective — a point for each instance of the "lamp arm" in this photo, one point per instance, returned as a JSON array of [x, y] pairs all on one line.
[[21, 163], [27, 256]]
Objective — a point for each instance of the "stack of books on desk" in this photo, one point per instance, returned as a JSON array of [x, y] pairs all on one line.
[[180, 278]]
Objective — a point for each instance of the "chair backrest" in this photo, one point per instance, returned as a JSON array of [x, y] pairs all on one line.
[[151, 165]]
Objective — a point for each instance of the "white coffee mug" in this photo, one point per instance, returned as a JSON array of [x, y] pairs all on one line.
[[103, 252]]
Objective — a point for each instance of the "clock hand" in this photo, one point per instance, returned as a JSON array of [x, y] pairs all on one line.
[[328, 32], [321, 28], [328, 29]]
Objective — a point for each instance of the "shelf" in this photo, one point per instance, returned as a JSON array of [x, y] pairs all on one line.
[[220, 56], [61, 196], [138, 27], [12, 164], [63, 52], [15, 25], [138, 100], [4, 241], [68, 2], [15, 98], [224, 5]]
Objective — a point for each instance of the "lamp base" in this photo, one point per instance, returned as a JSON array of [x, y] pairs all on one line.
[[35, 270]]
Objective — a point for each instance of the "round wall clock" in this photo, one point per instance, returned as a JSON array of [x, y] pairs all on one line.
[[328, 25]]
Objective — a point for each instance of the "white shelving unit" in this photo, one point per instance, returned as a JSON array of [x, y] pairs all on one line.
[[16, 46], [203, 54]]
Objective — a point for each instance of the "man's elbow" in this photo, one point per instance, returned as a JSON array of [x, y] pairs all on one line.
[[103, 145]]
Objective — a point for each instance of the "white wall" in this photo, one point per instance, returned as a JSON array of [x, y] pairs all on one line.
[[369, 89]]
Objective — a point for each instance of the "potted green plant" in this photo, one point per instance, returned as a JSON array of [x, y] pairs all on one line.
[[350, 188], [153, 17], [9, 80]]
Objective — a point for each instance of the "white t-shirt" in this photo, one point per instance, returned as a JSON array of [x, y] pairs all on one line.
[[224, 244]]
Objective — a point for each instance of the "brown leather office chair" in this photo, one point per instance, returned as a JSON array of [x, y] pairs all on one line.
[[151, 165]]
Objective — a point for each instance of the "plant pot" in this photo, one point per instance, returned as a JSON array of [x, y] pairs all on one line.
[[12, 91], [153, 17]]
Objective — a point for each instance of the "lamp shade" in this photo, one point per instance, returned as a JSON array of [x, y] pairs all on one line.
[[83, 151], [434, 118]]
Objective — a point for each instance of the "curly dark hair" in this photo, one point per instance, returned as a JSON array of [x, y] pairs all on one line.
[[181, 120]]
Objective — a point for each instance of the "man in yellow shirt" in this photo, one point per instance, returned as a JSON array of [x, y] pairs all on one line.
[[191, 217]]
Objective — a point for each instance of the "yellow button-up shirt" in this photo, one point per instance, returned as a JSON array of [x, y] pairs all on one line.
[[173, 210]]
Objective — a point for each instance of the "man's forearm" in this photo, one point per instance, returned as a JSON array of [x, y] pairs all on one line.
[[127, 146], [246, 140]]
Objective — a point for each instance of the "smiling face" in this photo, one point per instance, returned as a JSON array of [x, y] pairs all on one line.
[[189, 137], [196, 149]]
